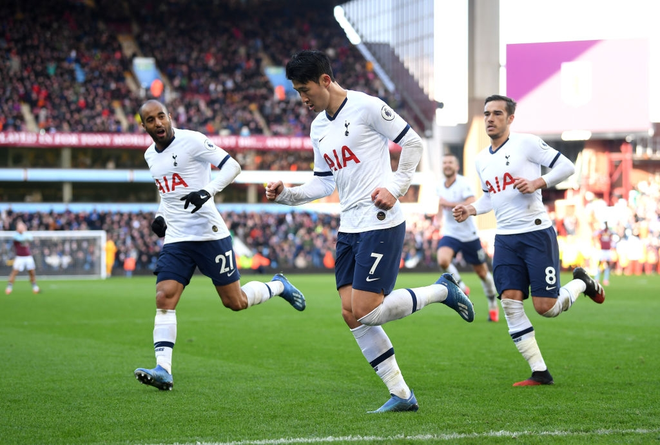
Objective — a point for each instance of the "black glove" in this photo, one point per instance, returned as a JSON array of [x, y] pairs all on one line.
[[159, 227], [197, 199]]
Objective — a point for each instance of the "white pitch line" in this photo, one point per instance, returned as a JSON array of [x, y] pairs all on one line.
[[426, 437]]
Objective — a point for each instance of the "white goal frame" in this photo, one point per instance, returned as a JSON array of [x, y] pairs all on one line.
[[67, 251]]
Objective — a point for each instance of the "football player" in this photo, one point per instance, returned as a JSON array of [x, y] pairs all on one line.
[[350, 137], [195, 234], [464, 238], [23, 260], [526, 249]]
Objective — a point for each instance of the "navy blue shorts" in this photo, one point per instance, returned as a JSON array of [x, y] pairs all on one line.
[[369, 261], [528, 260], [473, 251], [215, 259]]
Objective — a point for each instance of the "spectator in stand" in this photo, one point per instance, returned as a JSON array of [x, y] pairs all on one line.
[[23, 259], [606, 254], [69, 68]]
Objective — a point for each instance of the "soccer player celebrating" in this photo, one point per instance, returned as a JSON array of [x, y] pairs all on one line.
[[454, 190], [195, 233], [350, 141], [526, 248], [23, 260]]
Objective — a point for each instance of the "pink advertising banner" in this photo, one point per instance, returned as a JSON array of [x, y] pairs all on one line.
[[600, 86]]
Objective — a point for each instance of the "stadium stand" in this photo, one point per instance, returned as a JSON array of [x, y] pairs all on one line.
[[69, 70], [71, 67]]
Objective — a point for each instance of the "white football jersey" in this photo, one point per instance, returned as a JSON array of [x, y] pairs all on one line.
[[521, 156], [458, 191], [353, 146], [184, 167]]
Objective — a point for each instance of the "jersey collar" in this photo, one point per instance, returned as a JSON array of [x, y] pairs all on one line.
[[331, 118], [490, 149]]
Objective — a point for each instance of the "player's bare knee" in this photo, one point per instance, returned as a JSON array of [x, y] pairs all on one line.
[[235, 305], [161, 298], [349, 318], [359, 313], [235, 302], [543, 306], [369, 315], [444, 264]]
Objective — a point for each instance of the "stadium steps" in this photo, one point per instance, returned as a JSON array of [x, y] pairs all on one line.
[[254, 108], [119, 114], [130, 48], [28, 117]]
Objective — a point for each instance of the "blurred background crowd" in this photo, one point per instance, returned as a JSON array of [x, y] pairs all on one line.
[[305, 240], [69, 69]]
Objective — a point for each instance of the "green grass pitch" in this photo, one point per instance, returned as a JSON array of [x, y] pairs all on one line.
[[272, 375]]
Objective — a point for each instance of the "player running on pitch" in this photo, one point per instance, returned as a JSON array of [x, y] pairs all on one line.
[[195, 233], [526, 248], [464, 238], [350, 140]]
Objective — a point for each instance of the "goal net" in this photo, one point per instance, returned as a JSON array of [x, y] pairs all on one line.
[[70, 254]]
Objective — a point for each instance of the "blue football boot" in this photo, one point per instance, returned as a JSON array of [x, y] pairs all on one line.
[[398, 404], [290, 293], [157, 377], [456, 298]]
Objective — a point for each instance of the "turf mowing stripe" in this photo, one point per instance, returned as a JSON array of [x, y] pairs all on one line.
[[426, 437]]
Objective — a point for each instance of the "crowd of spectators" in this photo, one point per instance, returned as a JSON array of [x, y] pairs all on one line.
[[288, 240], [634, 221], [294, 240], [306, 240], [63, 63], [68, 66]]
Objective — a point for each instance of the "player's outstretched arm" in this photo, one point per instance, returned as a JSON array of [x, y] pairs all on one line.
[[319, 186]]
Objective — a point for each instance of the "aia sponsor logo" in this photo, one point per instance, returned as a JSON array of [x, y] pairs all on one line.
[[166, 185], [337, 161], [500, 185]]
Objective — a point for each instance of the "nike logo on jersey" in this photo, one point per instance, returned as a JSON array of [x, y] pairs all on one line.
[[231, 273], [370, 279], [550, 287], [322, 138]]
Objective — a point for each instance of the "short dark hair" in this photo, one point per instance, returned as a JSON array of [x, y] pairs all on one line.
[[151, 101], [308, 65], [510, 103]]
